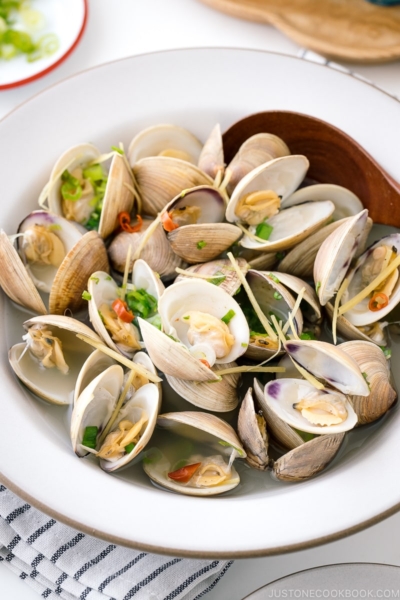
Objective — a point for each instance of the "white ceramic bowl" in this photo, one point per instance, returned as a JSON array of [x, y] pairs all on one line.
[[195, 89]]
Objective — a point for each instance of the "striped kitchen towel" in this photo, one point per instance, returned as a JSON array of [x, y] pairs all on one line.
[[60, 562]]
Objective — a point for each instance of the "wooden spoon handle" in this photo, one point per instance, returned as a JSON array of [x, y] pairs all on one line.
[[334, 158]]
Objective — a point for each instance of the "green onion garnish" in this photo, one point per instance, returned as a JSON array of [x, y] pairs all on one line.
[[141, 303], [386, 351], [89, 436], [116, 149], [86, 296], [95, 279], [273, 277], [129, 447], [264, 230], [228, 317], [308, 335], [277, 296], [317, 286], [71, 188], [201, 244]]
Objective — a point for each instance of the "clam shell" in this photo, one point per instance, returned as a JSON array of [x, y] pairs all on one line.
[[203, 242], [254, 441], [171, 357], [335, 255], [157, 253], [255, 151], [161, 178], [361, 315], [202, 296], [346, 203], [309, 459], [117, 198], [221, 267], [330, 363], [156, 139], [282, 394], [295, 284], [373, 363], [87, 256], [282, 175], [14, 278], [280, 430], [211, 159], [291, 226], [217, 396], [50, 384]]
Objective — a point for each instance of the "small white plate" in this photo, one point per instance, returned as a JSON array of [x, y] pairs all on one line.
[[195, 89], [67, 20], [354, 580]]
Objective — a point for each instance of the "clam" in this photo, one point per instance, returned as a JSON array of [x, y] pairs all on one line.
[[211, 159], [111, 319], [203, 465], [80, 190], [346, 203], [306, 457], [51, 357], [335, 255], [55, 258], [253, 433], [157, 252], [194, 222], [330, 363], [207, 320], [255, 151], [218, 272], [216, 396], [308, 409], [372, 362], [131, 429], [375, 332], [385, 295], [165, 140], [259, 194], [161, 178], [273, 298]]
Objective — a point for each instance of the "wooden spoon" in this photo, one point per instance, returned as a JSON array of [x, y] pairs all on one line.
[[343, 29], [334, 158]]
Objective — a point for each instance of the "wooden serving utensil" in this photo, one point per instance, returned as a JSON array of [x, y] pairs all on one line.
[[353, 30], [334, 158]]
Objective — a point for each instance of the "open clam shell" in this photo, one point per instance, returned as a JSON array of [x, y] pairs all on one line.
[[281, 175], [117, 196], [255, 151], [51, 383], [215, 437], [216, 396], [291, 226], [253, 433], [187, 304], [95, 406], [160, 179], [165, 139], [272, 297], [335, 255], [373, 363], [361, 314], [295, 284], [330, 363], [283, 394], [346, 203]]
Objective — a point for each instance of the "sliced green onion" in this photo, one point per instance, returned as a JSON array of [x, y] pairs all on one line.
[[264, 230], [277, 296], [273, 277], [386, 351], [228, 317], [86, 296], [317, 286], [201, 244], [116, 149], [89, 436], [307, 335], [129, 447], [94, 172]]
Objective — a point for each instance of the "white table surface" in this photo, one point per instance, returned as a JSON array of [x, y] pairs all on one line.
[[124, 27]]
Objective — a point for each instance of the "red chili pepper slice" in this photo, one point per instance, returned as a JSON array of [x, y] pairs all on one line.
[[124, 219], [205, 362], [185, 473], [121, 308], [168, 223], [378, 301]]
